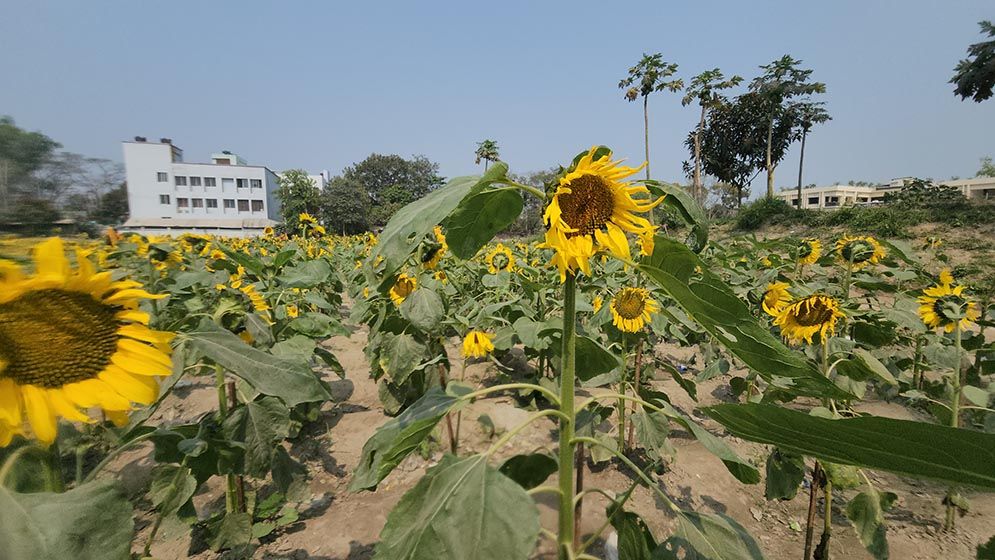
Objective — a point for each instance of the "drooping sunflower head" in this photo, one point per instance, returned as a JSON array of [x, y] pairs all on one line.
[[804, 318], [432, 249], [632, 308], [591, 209], [402, 288], [945, 306], [809, 251], [776, 298], [73, 339], [501, 258], [477, 344], [861, 251]]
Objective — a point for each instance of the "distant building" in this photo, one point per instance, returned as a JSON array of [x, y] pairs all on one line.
[[226, 197], [835, 196]]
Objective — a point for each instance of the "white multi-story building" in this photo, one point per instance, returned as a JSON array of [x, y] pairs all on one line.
[[169, 196], [835, 196]]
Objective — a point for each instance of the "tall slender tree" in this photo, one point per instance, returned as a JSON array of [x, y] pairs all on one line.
[[781, 81], [810, 113], [649, 75], [705, 88], [487, 151]]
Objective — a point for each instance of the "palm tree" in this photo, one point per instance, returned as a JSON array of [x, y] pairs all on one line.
[[487, 151], [648, 75], [705, 88], [810, 113]]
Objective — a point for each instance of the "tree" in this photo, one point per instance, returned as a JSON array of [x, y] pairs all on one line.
[[298, 194], [113, 206], [530, 220], [647, 76], [810, 113], [987, 168], [975, 78], [781, 81], [22, 153], [391, 182], [704, 88], [345, 206], [486, 151]]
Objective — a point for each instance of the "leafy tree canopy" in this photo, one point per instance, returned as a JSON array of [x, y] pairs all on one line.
[[391, 182], [345, 206], [298, 194], [974, 76]]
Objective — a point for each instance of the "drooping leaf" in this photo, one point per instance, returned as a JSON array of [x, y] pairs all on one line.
[[423, 309], [400, 356], [462, 508], [866, 513], [635, 540], [529, 470], [260, 425], [701, 536], [234, 529], [911, 448], [710, 302], [652, 429], [172, 486], [290, 380], [399, 436], [90, 522], [308, 274], [785, 473]]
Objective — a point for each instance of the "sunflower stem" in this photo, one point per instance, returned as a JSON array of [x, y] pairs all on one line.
[[566, 436], [635, 389], [955, 388]]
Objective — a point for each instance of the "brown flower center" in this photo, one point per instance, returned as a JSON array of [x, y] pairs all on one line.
[[588, 206], [629, 304], [53, 337], [813, 312]]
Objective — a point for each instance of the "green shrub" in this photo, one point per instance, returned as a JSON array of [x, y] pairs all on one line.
[[763, 212]]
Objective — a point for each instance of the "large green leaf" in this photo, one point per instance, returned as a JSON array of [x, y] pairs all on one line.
[[911, 448], [866, 513], [306, 275], [785, 473], [424, 309], [91, 522], [401, 355], [679, 199], [405, 230], [713, 305], [172, 486], [289, 379], [529, 470], [484, 212], [701, 536], [462, 508], [398, 437], [260, 425]]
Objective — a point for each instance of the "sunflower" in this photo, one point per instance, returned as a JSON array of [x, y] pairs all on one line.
[[861, 251], [501, 258], [591, 209], [441, 276], [477, 344], [802, 319], [809, 251], [402, 288], [258, 301], [305, 218], [433, 249], [596, 303], [293, 311], [72, 340], [631, 308], [945, 305], [775, 298], [268, 231]]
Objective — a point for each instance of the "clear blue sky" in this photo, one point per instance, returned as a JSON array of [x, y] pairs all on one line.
[[321, 85]]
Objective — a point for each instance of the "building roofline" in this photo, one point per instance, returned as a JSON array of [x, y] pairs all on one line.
[[198, 162]]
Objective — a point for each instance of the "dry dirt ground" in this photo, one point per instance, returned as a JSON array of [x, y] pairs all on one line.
[[338, 525]]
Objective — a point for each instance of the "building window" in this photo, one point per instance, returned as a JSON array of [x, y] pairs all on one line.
[[813, 200], [163, 199], [194, 181], [162, 177], [242, 183], [210, 182], [257, 206], [198, 203], [227, 183], [212, 203], [181, 181], [256, 183], [182, 203], [243, 205], [229, 203], [832, 201], [794, 202]]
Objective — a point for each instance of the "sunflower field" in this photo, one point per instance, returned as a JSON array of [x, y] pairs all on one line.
[[617, 353]]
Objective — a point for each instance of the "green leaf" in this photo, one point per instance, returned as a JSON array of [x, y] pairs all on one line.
[[592, 359], [874, 366], [260, 425], [405, 230], [90, 522], [308, 274], [700, 536], [635, 540], [318, 325], [652, 429], [785, 473], [260, 330], [290, 380], [529, 470], [483, 213], [911, 448], [400, 356], [172, 486], [866, 513], [235, 529], [976, 395], [713, 305], [424, 309], [462, 508], [680, 199], [398, 437], [987, 551]]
